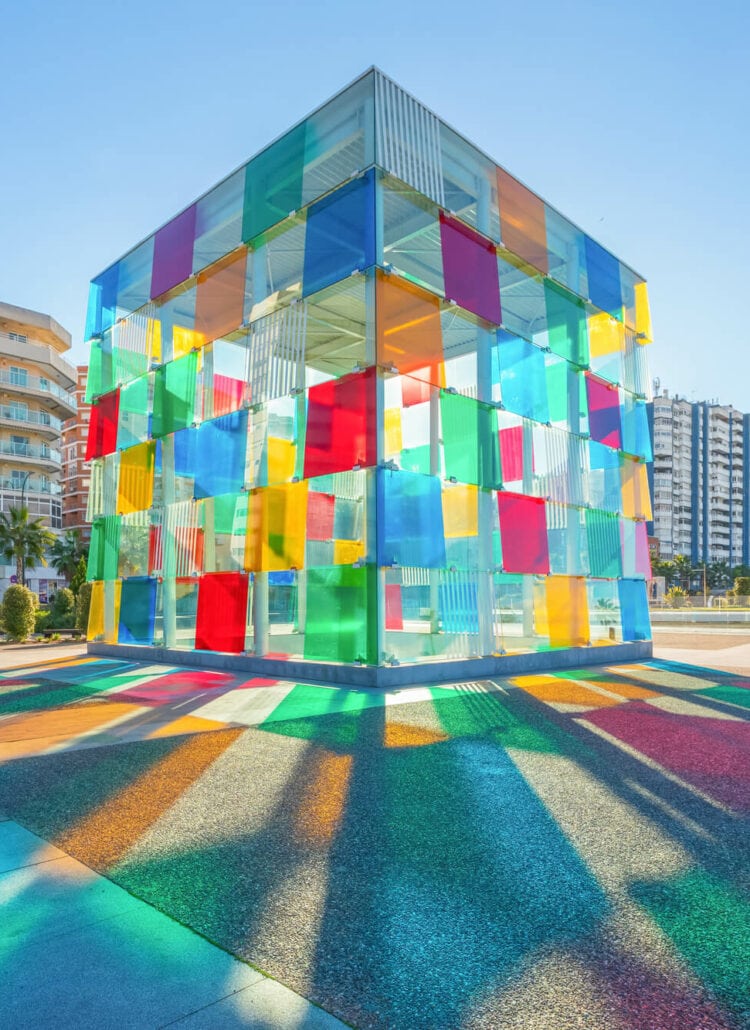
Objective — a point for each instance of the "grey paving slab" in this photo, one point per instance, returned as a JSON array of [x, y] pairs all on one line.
[[266, 1005], [19, 848]]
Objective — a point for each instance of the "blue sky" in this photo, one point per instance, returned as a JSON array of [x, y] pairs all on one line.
[[631, 119]]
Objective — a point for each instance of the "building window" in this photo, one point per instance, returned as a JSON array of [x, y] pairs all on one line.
[[18, 337], [19, 410], [19, 376], [19, 444]]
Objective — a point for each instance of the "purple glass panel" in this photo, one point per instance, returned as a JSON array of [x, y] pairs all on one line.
[[470, 269], [173, 252]]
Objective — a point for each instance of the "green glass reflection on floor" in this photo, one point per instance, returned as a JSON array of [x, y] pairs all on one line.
[[725, 692], [473, 714]]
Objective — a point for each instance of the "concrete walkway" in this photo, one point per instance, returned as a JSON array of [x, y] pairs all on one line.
[[77, 951]]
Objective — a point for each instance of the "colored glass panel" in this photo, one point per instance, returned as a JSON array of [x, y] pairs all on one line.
[[173, 252], [340, 234], [603, 272], [567, 253], [220, 450], [408, 326], [409, 520], [636, 499], [222, 612], [101, 374], [104, 548], [636, 438], [102, 306], [567, 611], [174, 395], [95, 630], [642, 313], [137, 611], [220, 297], [273, 183], [341, 605], [320, 514], [470, 442], [394, 616], [604, 411], [523, 533], [276, 528], [341, 425], [566, 323], [135, 489], [634, 613], [460, 510], [470, 269], [102, 438], [642, 551], [603, 538], [511, 454], [523, 384], [522, 222]]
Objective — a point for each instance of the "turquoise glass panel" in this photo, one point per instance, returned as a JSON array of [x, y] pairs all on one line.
[[409, 520], [634, 609], [636, 438], [340, 235], [273, 183], [137, 611], [133, 424], [523, 385], [102, 308], [566, 324], [471, 448], [174, 395], [603, 537]]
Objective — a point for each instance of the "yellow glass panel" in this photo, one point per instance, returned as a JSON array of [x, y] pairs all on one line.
[[153, 337], [642, 313], [282, 455], [392, 426], [136, 487], [346, 552], [541, 626], [96, 611], [184, 340], [276, 528], [567, 611], [606, 335], [460, 510], [636, 499]]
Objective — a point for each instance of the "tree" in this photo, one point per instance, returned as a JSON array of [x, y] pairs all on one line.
[[23, 541], [79, 576], [683, 568], [664, 568], [66, 552], [718, 575], [18, 611]]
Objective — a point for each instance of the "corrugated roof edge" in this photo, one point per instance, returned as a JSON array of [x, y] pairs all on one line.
[[372, 70]]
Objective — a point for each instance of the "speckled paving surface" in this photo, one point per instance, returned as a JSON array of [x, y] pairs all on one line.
[[545, 852]]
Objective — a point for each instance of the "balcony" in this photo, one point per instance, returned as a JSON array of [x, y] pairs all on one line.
[[34, 453], [50, 392], [41, 420], [33, 486]]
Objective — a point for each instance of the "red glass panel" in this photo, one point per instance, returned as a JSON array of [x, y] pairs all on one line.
[[102, 438], [222, 612], [341, 425], [320, 512], [604, 411], [523, 533], [394, 618], [511, 454]]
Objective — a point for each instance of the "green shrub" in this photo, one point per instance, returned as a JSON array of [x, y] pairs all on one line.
[[63, 610], [41, 620], [83, 603], [18, 612], [742, 586], [675, 597], [79, 576]]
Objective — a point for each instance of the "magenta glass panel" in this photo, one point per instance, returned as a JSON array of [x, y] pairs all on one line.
[[523, 533], [604, 411], [642, 553], [470, 269], [173, 252]]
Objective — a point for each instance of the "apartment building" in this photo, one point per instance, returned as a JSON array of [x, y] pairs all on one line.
[[700, 479], [76, 470], [35, 385]]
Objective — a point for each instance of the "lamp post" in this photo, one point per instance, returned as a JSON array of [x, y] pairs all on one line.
[[23, 557], [23, 486], [705, 590]]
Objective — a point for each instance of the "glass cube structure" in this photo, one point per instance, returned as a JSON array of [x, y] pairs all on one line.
[[370, 401]]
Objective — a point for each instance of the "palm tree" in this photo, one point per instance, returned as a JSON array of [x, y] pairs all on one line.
[[684, 569], [66, 552], [23, 540]]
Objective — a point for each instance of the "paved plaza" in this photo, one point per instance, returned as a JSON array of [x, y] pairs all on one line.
[[543, 851]]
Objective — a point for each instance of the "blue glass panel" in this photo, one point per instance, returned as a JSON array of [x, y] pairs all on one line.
[[603, 278], [137, 611], [634, 609], [636, 438], [102, 309], [523, 385], [220, 455], [184, 452], [340, 234], [410, 520]]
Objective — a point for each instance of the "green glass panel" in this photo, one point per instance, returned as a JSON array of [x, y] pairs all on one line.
[[104, 548], [566, 324], [470, 441], [132, 426], [273, 183], [341, 607], [174, 395], [101, 374], [603, 536]]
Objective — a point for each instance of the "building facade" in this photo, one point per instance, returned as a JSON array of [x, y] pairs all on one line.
[[700, 480], [76, 472], [35, 396], [369, 401]]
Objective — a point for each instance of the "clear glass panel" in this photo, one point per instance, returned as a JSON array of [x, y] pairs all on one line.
[[410, 234], [567, 253], [218, 221], [469, 183]]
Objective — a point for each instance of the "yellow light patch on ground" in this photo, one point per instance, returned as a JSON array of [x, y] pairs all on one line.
[[63, 722], [399, 734], [105, 836], [563, 691], [626, 690], [187, 724], [322, 805]]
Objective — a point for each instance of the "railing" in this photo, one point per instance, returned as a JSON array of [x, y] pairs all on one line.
[[37, 383], [29, 450], [32, 486], [36, 418]]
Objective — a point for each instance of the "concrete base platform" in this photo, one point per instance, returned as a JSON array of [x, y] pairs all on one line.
[[382, 676]]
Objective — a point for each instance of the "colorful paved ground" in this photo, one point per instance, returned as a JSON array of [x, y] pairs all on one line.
[[540, 852]]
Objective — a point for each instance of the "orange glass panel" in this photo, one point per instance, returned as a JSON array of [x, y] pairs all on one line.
[[567, 611], [408, 325], [221, 295], [522, 225], [636, 500]]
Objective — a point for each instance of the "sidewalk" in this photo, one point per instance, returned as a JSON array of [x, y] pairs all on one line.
[[79, 952]]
